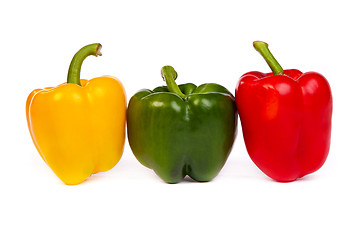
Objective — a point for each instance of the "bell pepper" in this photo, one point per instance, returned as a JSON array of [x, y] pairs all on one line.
[[78, 127], [286, 119], [182, 130]]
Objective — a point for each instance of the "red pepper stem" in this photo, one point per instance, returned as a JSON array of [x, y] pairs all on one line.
[[79, 57], [263, 49], [169, 75]]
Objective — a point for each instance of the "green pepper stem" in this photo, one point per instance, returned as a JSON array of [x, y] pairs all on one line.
[[263, 49], [79, 57], [169, 75]]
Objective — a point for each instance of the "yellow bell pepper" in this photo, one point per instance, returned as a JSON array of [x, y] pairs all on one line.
[[78, 127]]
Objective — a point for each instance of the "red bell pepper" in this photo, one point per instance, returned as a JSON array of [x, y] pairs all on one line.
[[286, 119]]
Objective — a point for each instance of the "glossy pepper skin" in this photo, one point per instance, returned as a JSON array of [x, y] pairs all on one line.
[[182, 130], [78, 127], [285, 118]]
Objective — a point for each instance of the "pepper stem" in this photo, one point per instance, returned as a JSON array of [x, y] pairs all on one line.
[[169, 75], [263, 49], [79, 57]]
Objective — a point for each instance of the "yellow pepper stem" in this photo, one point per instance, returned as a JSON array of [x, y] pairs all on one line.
[[79, 57]]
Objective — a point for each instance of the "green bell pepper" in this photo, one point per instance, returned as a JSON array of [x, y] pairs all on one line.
[[182, 130]]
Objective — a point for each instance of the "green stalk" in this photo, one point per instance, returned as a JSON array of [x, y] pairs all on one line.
[[169, 75], [79, 57], [263, 49]]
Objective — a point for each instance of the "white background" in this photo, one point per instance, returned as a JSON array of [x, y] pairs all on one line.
[[205, 41]]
